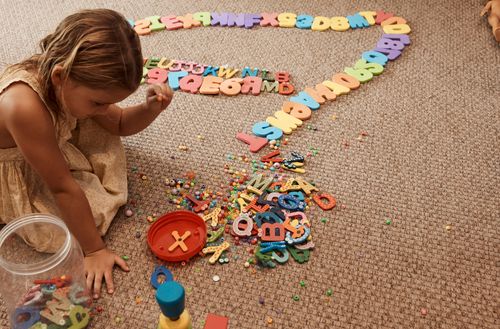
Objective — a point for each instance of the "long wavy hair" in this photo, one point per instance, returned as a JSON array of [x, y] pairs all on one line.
[[97, 48]]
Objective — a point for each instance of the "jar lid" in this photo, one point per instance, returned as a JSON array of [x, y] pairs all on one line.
[[177, 236]]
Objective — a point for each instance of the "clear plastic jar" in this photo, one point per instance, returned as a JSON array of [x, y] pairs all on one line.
[[43, 289]]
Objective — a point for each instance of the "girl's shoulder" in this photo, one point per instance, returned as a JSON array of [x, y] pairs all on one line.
[[21, 104], [20, 92]]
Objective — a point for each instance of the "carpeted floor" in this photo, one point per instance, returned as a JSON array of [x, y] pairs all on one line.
[[430, 164]]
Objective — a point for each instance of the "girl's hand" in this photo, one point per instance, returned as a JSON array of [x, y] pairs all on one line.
[[158, 97], [98, 266]]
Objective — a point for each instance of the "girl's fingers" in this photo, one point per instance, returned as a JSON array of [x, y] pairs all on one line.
[[121, 263], [108, 277], [97, 284], [90, 280]]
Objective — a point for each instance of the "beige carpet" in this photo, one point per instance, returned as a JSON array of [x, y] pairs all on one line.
[[430, 160]]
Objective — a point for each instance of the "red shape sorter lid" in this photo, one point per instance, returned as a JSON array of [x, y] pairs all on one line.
[[177, 236]]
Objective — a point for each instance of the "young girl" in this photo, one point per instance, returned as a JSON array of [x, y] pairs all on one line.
[[60, 150]]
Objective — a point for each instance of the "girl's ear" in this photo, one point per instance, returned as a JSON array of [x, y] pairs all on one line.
[[56, 75]]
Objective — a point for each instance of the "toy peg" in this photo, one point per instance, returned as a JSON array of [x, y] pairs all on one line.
[[318, 198], [213, 217], [179, 241], [493, 7], [217, 250], [171, 298]]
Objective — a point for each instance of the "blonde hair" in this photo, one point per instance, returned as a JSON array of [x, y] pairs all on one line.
[[97, 48]]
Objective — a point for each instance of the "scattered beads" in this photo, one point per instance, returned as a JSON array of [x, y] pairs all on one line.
[[216, 278]]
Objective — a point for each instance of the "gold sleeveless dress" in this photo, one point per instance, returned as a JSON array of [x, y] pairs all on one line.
[[95, 157]]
